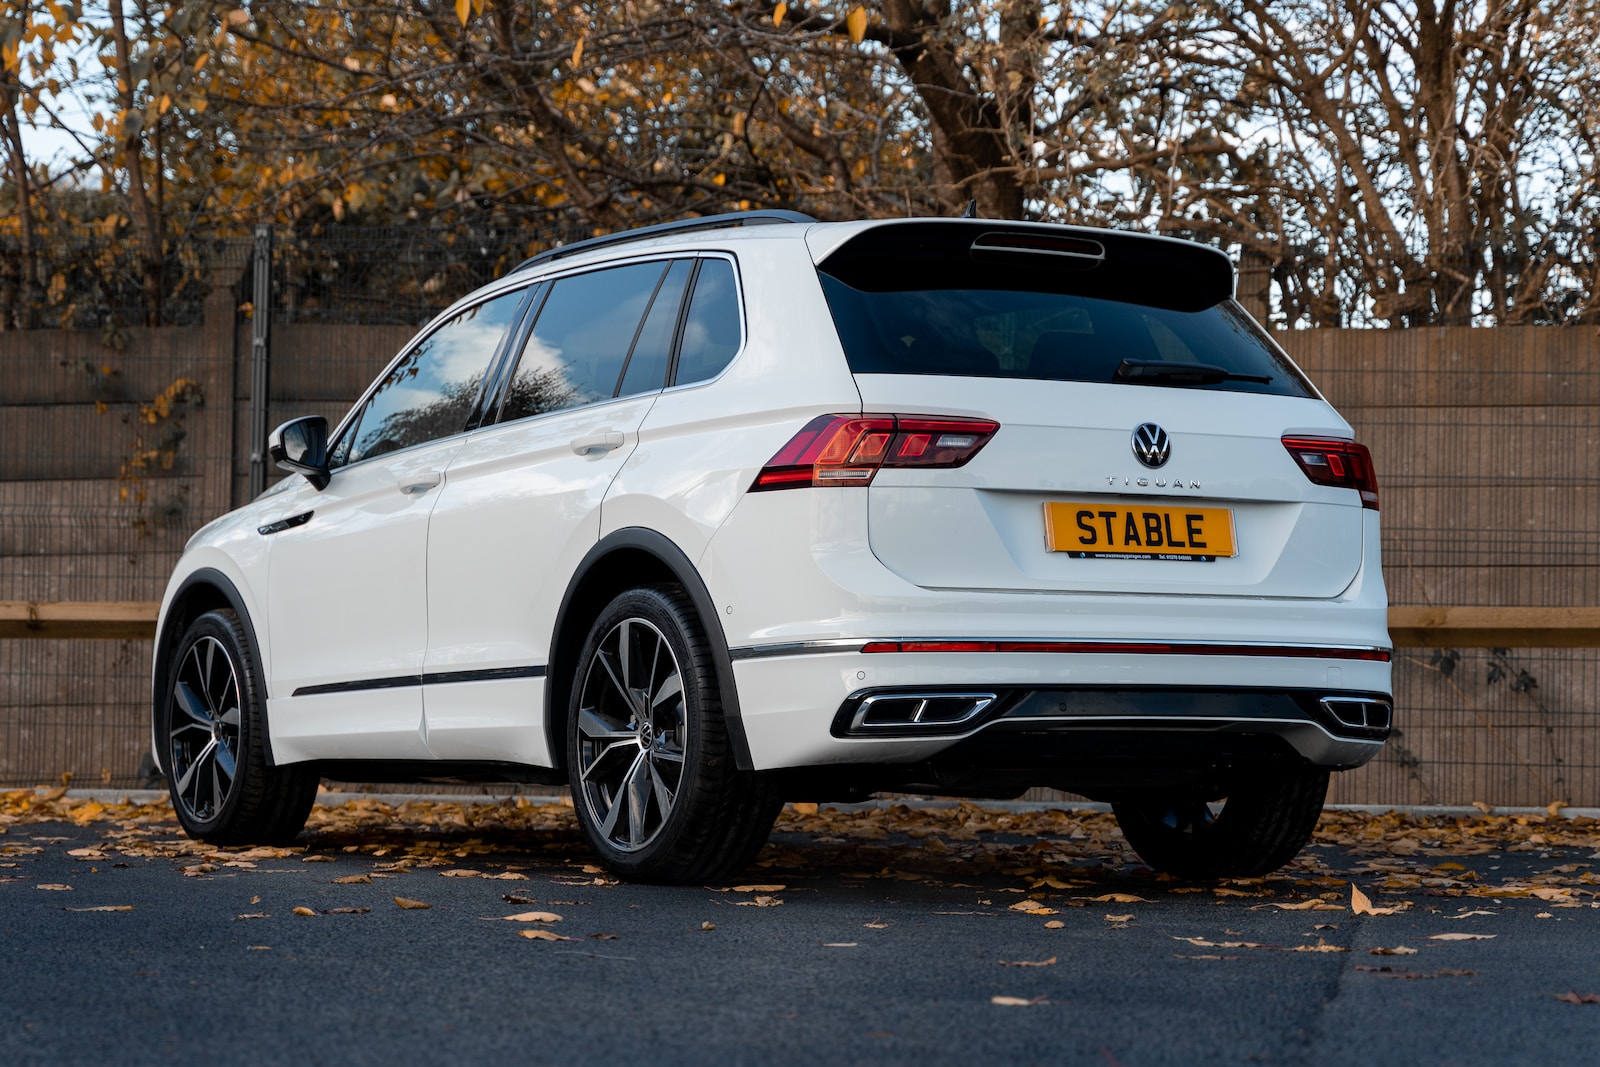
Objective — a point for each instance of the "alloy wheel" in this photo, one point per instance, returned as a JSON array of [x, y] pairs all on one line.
[[204, 729], [632, 734]]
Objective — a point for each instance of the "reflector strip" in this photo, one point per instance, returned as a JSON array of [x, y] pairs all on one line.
[[1137, 648]]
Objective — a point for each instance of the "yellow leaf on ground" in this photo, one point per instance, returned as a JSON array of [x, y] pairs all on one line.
[[411, 905], [1016, 1002], [758, 888], [1399, 950], [1051, 962], [708, 926], [54, 886], [353, 879], [1055, 924], [1120, 918], [545, 935], [778, 13], [1461, 937], [532, 917], [106, 907], [840, 944], [1119, 898], [759, 902], [306, 911], [804, 808], [1320, 946], [463, 10], [1361, 904], [461, 872], [1032, 907]]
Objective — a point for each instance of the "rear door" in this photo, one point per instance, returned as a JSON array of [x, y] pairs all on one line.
[[1087, 367]]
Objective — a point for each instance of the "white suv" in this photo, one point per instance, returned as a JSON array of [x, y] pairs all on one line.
[[708, 516]]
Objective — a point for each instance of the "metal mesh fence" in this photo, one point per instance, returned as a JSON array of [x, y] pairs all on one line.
[[118, 440]]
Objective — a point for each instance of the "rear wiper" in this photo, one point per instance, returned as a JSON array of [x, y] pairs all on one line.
[[1161, 372]]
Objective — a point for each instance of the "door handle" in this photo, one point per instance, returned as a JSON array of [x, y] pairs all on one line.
[[602, 441], [421, 482]]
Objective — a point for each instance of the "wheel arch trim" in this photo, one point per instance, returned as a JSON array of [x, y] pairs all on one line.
[[564, 645], [169, 632]]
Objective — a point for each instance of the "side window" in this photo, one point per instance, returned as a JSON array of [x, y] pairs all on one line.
[[711, 329], [581, 340], [652, 351], [430, 393]]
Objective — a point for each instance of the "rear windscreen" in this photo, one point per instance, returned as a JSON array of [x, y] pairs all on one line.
[[1021, 333]]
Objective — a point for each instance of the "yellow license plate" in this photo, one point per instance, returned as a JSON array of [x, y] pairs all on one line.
[[1119, 531]]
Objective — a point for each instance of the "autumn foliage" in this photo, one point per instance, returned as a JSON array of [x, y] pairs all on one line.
[[1391, 162]]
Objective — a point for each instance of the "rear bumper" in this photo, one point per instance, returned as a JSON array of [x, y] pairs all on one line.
[[1061, 714]]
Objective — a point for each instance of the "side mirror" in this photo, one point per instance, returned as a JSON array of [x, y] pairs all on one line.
[[301, 445]]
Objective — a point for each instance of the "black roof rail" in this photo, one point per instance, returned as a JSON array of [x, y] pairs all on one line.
[[644, 233]]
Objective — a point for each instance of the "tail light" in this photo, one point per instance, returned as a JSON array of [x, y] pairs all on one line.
[[1330, 461], [849, 449]]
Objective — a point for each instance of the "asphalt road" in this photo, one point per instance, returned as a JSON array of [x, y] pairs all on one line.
[[882, 950]]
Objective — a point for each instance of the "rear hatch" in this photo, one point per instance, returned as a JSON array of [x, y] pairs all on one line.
[[1089, 350]]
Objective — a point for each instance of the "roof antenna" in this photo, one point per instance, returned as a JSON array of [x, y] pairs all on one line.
[[971, 210]]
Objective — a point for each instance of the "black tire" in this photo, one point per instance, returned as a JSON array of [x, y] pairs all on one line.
[[648, 755], [1265, 820], [210, 727]]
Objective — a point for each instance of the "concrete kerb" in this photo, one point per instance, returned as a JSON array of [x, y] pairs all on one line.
[[334, 799]]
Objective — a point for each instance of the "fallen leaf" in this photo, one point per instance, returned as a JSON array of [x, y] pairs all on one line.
[[1032, 907], [876, 926], [602, 937], [461, 872], [508, 876], [411, 905], [1541, 915], [353, 879], [759, 902], [532, 917], [1320, 946], [1304, 905], [1051, 962], [545, 935], [1461, 937], [86, 853], [1055, 924], [106, 907], [514, 898], [1017, 1002], [804, 809], [311, 859], [1202, 943], [1400, 950], [254, 915], [255, 900], [345, 911], [1119, 918], [1574, 997], [840, 944], [308, 911], [54, 886], [708, 926], [758, 889], [1361, 904], [1119, 898]]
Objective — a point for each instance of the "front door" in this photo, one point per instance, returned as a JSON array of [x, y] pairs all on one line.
[[347, 586]]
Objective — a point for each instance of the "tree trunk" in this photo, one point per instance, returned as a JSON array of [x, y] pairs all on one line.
[[146, 215]]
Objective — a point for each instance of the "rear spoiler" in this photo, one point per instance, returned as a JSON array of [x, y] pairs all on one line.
[[931, 254]]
